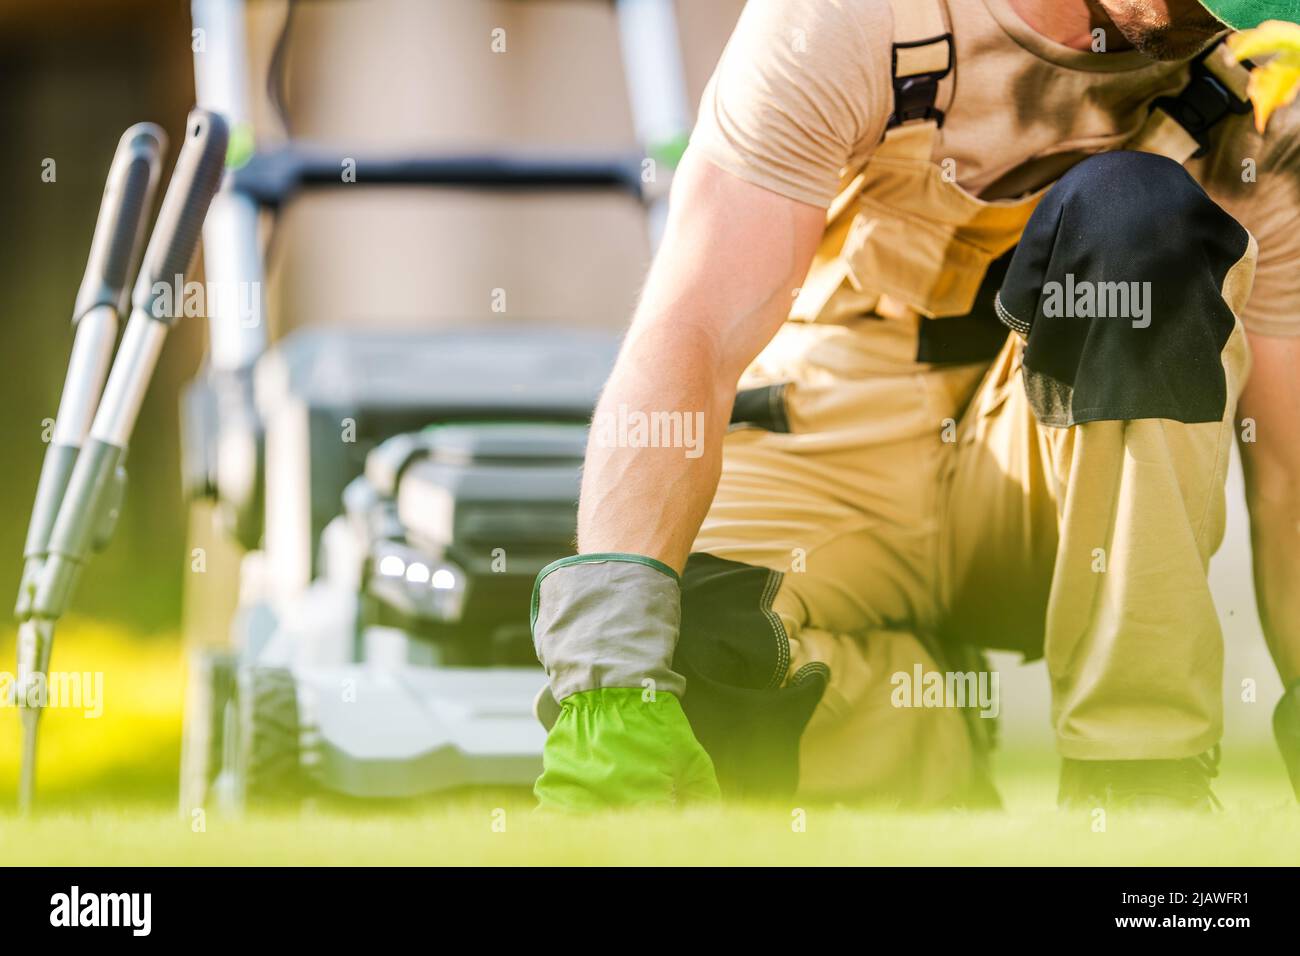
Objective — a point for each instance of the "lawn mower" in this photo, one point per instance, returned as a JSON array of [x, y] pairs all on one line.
[[394, 492]]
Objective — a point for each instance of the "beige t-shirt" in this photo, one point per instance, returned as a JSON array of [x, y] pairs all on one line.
[[802, 93]]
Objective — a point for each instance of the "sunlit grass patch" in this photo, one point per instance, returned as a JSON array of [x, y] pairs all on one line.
[[131, 750], [470, 834], [108, 793]]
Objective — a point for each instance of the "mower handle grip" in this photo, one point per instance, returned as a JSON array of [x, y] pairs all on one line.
[[128, 197], [194, 182]]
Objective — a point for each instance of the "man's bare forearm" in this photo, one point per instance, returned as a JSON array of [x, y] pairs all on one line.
[[651, 500], [719, 289], [655, 451]]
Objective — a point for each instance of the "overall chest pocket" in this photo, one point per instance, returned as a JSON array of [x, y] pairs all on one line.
[[927, 265], [902, 233]]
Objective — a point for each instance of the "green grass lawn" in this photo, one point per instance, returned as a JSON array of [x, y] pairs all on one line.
[[108, 798], [1260, 826]]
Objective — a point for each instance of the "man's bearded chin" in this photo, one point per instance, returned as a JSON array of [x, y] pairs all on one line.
[[1163, 37]]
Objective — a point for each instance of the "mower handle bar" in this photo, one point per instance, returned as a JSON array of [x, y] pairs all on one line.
[[272, 179]]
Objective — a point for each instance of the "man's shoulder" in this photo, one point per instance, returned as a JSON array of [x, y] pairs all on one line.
[[874, 17], [871, 18], [868, 10], [829, 42], [1241, 146], [850, 33], [1280, 140]]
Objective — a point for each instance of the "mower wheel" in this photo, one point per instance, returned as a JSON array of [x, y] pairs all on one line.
[[268, 756]]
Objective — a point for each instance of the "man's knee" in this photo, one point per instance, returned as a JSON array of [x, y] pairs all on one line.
[[1128, 197], [1129, 217], [1125, 284]]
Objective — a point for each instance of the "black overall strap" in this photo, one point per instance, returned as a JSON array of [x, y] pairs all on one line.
[[1212, 94], [922, 56]]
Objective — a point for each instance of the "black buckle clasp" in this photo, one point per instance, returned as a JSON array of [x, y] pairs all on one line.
[[915, 95], [1202, 104]]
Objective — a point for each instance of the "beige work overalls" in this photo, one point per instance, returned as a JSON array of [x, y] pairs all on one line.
[[917, 508]]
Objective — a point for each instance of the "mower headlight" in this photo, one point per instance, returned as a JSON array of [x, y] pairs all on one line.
[[413, 584]]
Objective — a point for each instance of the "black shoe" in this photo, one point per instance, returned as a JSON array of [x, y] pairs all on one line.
[[1140, 784]]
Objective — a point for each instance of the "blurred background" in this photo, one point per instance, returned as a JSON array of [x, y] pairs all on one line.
[[375, 74]]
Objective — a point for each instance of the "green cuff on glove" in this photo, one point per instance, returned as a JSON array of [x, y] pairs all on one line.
[[624, 747], [605, 628]]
